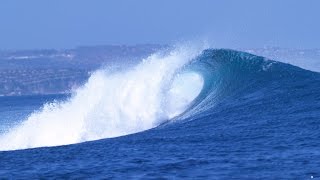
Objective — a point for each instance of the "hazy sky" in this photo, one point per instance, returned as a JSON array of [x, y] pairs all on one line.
[[27, 24]]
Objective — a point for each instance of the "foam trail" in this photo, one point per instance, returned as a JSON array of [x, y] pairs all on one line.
[[111, 104]]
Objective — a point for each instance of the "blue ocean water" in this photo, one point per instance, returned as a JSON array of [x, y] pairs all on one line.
[[253, 118]]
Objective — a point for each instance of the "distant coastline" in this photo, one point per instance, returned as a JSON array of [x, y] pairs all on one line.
[[34, 72]]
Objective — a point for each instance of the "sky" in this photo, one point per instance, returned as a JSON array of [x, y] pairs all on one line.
[[39, 24]]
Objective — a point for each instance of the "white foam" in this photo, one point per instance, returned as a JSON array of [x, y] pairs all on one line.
[[185, 88], [112, 104]]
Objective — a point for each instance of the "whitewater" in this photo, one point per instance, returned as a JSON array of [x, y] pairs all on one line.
[[113, 103]]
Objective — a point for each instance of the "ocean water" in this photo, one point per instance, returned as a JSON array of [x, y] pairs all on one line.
[[189, 113]]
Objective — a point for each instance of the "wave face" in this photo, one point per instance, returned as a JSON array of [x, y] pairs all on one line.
[[184, 85], [228, 72]]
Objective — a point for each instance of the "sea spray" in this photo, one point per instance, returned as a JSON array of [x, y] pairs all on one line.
[[112, 104]]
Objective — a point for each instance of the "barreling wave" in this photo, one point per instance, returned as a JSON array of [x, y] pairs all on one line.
[[185, 84], [228, 74]]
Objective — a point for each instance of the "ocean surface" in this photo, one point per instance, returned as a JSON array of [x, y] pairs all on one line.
[[188, 113]]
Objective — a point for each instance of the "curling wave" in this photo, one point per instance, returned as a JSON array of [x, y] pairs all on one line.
[[186, 84]]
